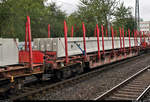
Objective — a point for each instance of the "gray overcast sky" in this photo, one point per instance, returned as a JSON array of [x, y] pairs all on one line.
[[70, 5]]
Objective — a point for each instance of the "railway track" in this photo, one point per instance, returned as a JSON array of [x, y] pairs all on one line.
[[42, 88], [134, 88]]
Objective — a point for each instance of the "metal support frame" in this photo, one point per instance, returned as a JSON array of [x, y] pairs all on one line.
[[124, 50], [120, 40], [66, 42], [102, 29], [140, 36], [129, 39], [135, 39], [30, 45], [84, 41], [112, 34], [106, 32], [144, 37], [99, 54], [26, 37], [72, 31], [126, 34]]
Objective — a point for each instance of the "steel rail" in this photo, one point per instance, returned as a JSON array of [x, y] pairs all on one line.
[[143, 94], [121, 84]]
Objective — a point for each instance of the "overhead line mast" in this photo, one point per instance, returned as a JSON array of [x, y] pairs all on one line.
[[137, 15]]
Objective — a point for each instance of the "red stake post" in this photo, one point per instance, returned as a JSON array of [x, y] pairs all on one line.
[[140, 36], [106, 33], [72, 31], [123, 40], [112, 33], [49, 31], [129, 39], [126, 33], [26, 37], [120, 39], [135, 39], [99, 54], [102, 29], [84, 41], [144, 39], [30, 45], [66, 42]]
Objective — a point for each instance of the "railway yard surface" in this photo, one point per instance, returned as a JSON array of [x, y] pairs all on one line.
[[93, 86]]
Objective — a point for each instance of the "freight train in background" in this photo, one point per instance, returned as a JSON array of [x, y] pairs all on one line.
[[62, 58]]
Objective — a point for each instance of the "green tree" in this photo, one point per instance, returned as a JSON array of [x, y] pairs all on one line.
[[94, 12], [13, 17], [123, 18]]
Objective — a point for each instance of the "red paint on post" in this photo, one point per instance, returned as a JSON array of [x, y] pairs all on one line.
[[134, 38], [123, 40], [129, 39], [99, 54], [66, 42], [140, 36], [49, 31], [112, 33], [26, 37], [106, 33], [132, 34], [120, 39], [102, 29], [84, 41], [126, 33], [144, 39], [30, 45], [72, 31]]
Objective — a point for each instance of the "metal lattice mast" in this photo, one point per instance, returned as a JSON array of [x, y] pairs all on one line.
[[137, 15]]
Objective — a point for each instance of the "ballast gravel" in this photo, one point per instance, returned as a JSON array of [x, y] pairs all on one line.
[[91, 88]]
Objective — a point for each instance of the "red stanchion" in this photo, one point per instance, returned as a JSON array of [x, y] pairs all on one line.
[[99, 54], [72, 31], [129, 39], [106, 33], [134, 39], [26, 37], [112, 33], [30, 45], [120, 39], [136, 34], [126, 33], [102, 29], [84, 40], [140, 36], [144, 39], [123, 40], [66, 42]]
